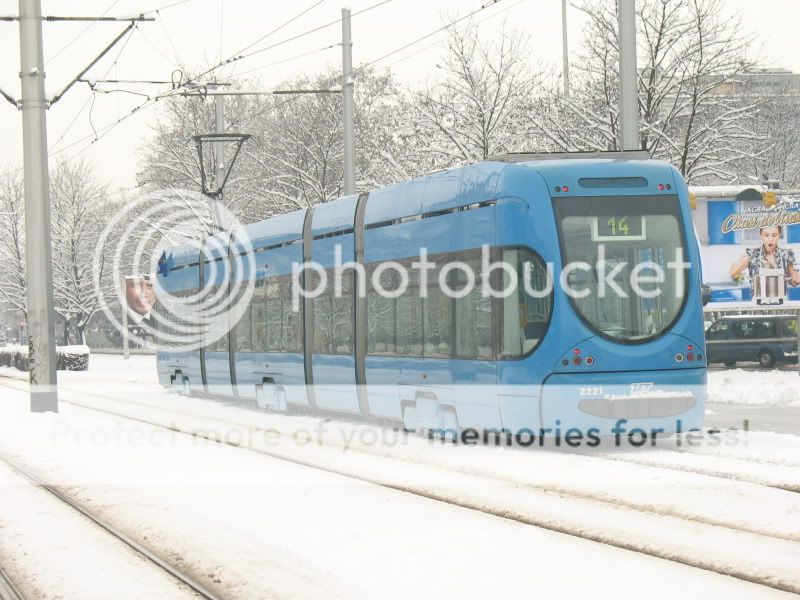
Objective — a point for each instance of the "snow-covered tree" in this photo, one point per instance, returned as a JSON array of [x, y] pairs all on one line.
[[476, 105], [294, 158], [778, 156], [688, 53], [12, 243], [79, 211]]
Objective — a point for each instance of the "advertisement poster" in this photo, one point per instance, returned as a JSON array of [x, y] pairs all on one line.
[[140, 296], [750, 252]]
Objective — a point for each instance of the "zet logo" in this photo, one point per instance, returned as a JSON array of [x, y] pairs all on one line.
[[641, 387]]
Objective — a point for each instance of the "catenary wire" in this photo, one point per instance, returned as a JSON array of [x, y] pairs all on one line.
[[81, 34], [85, 104], [279, 27], [426, 36], [239, 57]]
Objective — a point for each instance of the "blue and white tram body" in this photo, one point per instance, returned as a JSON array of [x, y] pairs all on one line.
[[508, 363]]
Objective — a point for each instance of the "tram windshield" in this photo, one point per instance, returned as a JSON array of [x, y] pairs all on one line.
[[624, 262]]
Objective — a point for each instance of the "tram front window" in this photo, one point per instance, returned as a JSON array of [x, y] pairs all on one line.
[[624, 257]]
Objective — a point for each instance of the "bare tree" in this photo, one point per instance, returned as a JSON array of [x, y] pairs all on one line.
[[13, 288], [477, 106], [79, 205], [294, 159], [688, 54], [779, 156]]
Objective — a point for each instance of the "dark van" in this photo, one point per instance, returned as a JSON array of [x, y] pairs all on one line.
[[766, 339]]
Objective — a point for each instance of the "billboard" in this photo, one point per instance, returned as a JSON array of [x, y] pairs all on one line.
[[749, 251], [140, 298]]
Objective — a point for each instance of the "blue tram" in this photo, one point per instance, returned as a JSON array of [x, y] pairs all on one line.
[[517, 361]]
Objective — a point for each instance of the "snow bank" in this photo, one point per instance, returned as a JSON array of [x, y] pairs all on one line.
[[69, 358], [759, 388]]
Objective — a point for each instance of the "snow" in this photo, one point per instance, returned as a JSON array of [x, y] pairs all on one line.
[[38, 530], [758, 388], [269, 522]]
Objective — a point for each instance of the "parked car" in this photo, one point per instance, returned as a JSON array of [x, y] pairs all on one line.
[[767, 339]]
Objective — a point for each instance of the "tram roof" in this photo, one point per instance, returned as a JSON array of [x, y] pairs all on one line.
[[454, 187]]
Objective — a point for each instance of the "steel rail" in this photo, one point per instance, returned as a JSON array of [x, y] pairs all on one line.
[[109, 528], [463, 503]]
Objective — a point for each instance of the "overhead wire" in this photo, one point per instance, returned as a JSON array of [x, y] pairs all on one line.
[[431, 45], [285, 60], [243, 56], [165, 7], [85, 104], [81, 34], [279, 27], [221, 25], [169, 38], [158, 50], [426, 36], [106, 129]]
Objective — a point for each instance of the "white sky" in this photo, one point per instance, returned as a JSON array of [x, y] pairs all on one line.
[[194, 30]]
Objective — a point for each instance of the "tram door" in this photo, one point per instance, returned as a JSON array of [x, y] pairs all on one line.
[[217, 326]]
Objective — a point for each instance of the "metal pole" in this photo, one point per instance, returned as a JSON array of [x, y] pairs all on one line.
[[41, 317], [628, 94], [565, 46], [219, 166], [798, 341], [126, 345], [347, 96]]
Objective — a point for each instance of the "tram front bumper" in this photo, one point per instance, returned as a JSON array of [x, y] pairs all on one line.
[[664, 401]]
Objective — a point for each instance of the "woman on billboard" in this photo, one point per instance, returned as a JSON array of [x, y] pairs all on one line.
[[770, 267]]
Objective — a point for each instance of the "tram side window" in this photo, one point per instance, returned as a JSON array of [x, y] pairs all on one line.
[[342, 315], [469, 327], [275, 322], [217, 334], [437, 313], [382, 313], [243, 331], [525, 317], [275, 327], [322, 316], [258, 317], [473, 315], [293, 319], [409, 318]]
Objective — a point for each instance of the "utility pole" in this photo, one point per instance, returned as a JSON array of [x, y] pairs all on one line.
[[628, 74], [565, 46], [41, 317], [219, 153], [34, 105], [347, 97]]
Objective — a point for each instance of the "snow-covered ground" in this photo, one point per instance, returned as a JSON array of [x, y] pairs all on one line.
[[317, 508], [758, 388], [62, 555]]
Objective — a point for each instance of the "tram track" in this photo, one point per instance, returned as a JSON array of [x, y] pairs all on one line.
[[10, 592], [392, 454], [539, 513], [641, 458], [722, 470]]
